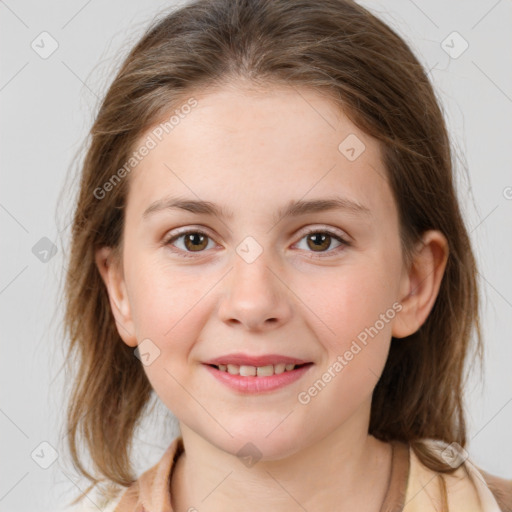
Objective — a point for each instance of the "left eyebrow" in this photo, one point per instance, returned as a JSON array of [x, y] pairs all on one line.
[[292, 209], [296, 208]]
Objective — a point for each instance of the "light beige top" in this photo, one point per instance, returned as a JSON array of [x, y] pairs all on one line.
[[412, 486]]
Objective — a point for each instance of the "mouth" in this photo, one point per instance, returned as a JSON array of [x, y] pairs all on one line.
[[246, 374], [257, 371]]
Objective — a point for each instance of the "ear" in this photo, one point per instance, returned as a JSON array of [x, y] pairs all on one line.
[[111, 272], [420, 283]]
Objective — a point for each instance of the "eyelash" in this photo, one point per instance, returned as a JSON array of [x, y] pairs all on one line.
[[325, 254]]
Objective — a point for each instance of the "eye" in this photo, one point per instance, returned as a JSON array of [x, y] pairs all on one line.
[[193, 241], [197, 241], [318, 240]]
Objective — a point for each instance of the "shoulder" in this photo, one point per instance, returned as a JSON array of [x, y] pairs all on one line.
[[468, 488], [151, 489], [501, 489]]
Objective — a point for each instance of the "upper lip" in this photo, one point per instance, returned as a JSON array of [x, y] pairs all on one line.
[[247, 360]]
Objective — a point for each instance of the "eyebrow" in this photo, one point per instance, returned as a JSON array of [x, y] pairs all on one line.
[[292, 209]]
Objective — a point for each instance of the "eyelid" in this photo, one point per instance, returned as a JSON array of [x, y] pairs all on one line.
[[314, 228], [179, 232], [339, 235], [190, 229], [303, 232]]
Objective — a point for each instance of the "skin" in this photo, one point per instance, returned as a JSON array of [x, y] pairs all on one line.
[[252, 151]]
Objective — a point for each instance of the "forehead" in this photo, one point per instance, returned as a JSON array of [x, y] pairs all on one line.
[[247, 149]]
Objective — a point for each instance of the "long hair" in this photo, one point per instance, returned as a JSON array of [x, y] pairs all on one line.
[[344, 52]]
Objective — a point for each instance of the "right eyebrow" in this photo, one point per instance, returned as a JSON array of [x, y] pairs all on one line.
[[189, 205]]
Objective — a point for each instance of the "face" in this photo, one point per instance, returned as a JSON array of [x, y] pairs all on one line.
[[253, 287]]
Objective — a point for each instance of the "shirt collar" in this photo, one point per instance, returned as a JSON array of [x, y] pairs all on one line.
[[150, 493]]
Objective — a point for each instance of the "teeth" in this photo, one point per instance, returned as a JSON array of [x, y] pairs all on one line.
[[264, 371], [247, 371], [234, 369], [252, 371], [279, 368]]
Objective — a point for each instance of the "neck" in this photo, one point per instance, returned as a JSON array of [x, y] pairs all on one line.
[[344, 471]]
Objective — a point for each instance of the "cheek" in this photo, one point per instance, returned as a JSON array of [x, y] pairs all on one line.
[[354, 314], [164, 301], [355, 332], [344, 307], [167, 310]]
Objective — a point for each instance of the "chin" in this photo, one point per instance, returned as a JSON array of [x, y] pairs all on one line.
[[261, 442]]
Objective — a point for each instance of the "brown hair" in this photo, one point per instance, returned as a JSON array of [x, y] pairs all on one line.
[[339, 49]]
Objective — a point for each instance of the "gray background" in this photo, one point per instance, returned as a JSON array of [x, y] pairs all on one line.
[[47, 106]]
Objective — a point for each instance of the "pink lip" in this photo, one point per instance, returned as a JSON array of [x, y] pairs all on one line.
[[243, 359], [258, 384]]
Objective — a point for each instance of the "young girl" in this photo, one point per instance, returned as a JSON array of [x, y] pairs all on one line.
[[268, 237]]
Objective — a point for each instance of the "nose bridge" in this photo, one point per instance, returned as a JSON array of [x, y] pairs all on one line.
[[254, 294], [253, 269]]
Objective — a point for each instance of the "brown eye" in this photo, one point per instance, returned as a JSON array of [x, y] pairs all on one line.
[[190, 241], [319, 241], [195, 241]]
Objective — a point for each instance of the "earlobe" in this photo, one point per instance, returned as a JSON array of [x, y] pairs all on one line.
[[112, 275], [421, 283]]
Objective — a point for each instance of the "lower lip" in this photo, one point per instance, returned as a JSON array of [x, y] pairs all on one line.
[[258, 384]]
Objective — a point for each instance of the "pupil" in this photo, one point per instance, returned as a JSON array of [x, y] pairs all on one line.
[[196, 240], [319, 240]]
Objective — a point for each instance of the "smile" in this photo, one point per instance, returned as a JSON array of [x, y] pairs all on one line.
[[247, 379], [256, 371]]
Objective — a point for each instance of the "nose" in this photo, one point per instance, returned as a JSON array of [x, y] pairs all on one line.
[[255, 296]]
